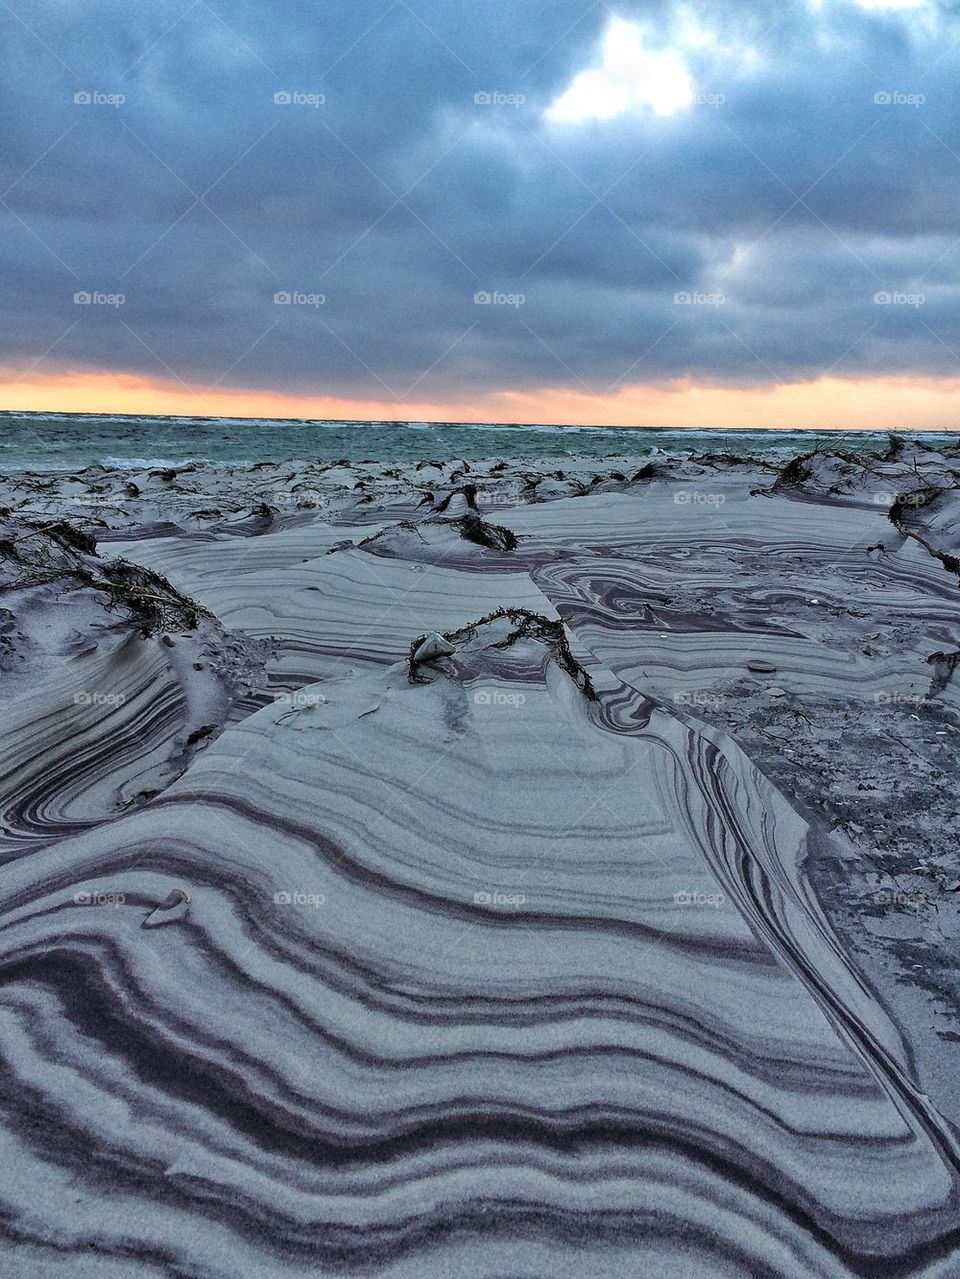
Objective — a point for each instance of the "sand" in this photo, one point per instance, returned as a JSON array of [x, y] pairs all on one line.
[[621, 938]]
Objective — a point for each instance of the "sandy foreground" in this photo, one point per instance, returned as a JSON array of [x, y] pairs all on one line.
[[482, 870]]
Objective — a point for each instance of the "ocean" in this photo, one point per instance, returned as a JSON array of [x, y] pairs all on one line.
[[69, 441]]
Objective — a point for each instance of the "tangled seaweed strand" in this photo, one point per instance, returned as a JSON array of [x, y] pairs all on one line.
[[56, 551], [527, 625], [900, 513]]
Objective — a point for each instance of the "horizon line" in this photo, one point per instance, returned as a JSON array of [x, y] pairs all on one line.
[[520, 425]]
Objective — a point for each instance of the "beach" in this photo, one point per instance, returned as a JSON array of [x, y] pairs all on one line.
[[482, 866]]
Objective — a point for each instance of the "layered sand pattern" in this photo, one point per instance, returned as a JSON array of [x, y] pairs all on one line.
[[325, 952]]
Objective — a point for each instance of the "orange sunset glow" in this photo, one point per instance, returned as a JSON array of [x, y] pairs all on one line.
[[896, 403]]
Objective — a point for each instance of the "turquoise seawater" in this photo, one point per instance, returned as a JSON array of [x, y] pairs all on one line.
[[67, 441]]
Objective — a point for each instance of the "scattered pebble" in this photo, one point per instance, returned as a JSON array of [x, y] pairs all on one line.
[[171, 909]]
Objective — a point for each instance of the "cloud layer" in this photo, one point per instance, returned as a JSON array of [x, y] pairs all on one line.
[[460, 199]]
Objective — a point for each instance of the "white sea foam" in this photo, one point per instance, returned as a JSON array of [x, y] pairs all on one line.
[[151, 463]]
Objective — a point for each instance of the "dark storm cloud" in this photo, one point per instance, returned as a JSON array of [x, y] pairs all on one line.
[[785, 225]]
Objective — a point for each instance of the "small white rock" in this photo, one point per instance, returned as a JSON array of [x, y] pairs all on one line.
[[431, 646]]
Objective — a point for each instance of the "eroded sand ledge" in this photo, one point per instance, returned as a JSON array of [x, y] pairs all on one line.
[[578, 951]]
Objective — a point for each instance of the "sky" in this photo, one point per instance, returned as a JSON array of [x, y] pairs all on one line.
[[722, 213]]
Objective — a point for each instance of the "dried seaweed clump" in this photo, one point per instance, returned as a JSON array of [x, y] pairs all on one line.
[[155, 602], [903, 514], [38, 554], [944, 665], [906, 502], [795, 471], [527, 625], [494, 536]]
